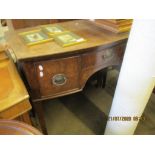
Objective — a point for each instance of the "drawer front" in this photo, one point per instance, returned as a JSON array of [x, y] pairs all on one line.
[[101, 57], [120, 50], [58, 76]]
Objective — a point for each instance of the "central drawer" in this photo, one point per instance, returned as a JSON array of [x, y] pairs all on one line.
[[58, 76]]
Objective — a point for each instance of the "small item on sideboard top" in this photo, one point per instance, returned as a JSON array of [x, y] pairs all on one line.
[[68, 39], [53, 29], [114, 25], [34, 37]]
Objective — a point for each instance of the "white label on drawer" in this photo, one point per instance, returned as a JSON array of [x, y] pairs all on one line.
[[40, 67], [41, 74]]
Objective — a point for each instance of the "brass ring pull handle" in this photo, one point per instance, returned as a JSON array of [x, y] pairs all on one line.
[[108, 54], [59, 79]]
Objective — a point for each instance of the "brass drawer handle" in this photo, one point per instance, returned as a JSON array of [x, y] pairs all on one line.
[[107, 54], [59, 79]]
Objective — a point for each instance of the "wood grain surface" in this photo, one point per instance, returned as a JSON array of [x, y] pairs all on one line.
[[95, 36]]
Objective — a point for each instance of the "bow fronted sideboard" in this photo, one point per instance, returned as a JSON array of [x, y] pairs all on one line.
[[52, 71]]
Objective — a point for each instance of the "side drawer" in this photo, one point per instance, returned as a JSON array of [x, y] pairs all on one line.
[[120, 50], [101, 57], [58, 76]]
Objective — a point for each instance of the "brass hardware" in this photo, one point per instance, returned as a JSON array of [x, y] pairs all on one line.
[[108, 54], [59, 79]]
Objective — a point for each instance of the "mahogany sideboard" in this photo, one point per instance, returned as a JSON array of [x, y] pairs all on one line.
[[52, 71]]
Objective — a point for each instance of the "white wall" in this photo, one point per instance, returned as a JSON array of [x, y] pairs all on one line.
[[136, 79]]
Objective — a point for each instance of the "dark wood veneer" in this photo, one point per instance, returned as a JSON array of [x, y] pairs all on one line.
[[77, 63]]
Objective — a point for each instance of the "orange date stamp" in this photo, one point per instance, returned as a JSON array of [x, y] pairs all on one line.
[[126, 118]]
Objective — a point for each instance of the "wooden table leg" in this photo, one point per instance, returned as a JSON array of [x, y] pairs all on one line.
[[40, 113], [104, 77], [101, 78]]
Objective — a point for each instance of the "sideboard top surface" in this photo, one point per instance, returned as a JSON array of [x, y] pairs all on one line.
[[95, 36]]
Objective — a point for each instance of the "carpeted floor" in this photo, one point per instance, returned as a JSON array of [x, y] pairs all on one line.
[[86, 112]]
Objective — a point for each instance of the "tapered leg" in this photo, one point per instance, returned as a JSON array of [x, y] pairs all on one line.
[[40, 113], [101, 78], [104, 77]]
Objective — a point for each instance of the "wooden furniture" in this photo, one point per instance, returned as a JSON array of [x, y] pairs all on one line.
[[14, 99], [52, 71], [115, 25], [24, 23], [12, 127]]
